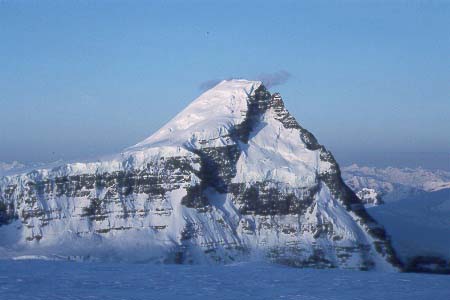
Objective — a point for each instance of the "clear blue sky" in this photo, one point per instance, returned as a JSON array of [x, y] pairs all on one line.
[[371, 79]]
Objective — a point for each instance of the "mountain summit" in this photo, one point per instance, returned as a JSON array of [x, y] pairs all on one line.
[[232, 177]]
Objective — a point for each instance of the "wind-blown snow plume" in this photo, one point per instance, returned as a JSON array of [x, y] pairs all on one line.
[[268, 79], [274, 79], [206, 85], [232, 177]]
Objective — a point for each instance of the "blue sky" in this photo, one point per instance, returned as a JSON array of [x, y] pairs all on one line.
[[371, 79]]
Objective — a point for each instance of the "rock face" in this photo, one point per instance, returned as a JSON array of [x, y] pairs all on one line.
[[232, 177], [369, 197]]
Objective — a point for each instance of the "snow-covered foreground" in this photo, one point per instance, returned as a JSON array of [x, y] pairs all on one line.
[[68, 280]]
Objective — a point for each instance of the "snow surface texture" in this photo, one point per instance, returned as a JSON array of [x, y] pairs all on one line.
[[232, 177], [393, 184], [209, 118], [65, 280], [420, 226]]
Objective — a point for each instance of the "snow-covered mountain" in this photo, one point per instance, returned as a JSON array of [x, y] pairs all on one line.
[[415, 211], [369, 197], [232, 177], [12, 167], [394, 184], [15, 167]]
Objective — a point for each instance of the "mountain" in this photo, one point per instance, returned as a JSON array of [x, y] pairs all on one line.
[[16, 167], [415, 211], [232, 177], [393, 184], [369, 197], [12, 167]]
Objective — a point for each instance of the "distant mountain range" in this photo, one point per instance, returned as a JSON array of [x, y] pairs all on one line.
[[383, 184], [17, 167], [393, 184], [11, 168], [232, 177]]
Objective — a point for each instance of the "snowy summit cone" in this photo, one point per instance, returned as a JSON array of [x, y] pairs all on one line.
[[232, 177]]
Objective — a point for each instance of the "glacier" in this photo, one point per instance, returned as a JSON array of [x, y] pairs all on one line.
[[233, 177], [420, 230], [43, 280]]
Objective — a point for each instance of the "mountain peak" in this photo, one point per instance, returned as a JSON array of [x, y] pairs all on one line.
[[213, 113], [238, 83], [232, 175]]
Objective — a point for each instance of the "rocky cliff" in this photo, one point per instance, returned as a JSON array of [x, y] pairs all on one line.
[[232, 177]]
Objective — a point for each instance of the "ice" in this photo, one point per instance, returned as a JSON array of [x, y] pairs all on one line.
[[418, 225], [67, 280]]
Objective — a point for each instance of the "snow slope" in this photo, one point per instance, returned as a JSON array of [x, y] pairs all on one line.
[[42, 280], [419, 226], [233, 177], [209, 118]]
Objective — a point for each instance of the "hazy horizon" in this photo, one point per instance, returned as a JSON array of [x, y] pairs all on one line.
[[85, 79]]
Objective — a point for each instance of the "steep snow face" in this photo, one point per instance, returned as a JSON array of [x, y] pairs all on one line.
[[276, 153], [232, 177], [208, 119]]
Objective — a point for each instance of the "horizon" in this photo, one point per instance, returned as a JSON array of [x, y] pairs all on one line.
[[232, 149], [369, 81]]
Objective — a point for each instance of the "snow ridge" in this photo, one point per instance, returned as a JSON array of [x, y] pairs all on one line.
[[209, 117], [232, 177]]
